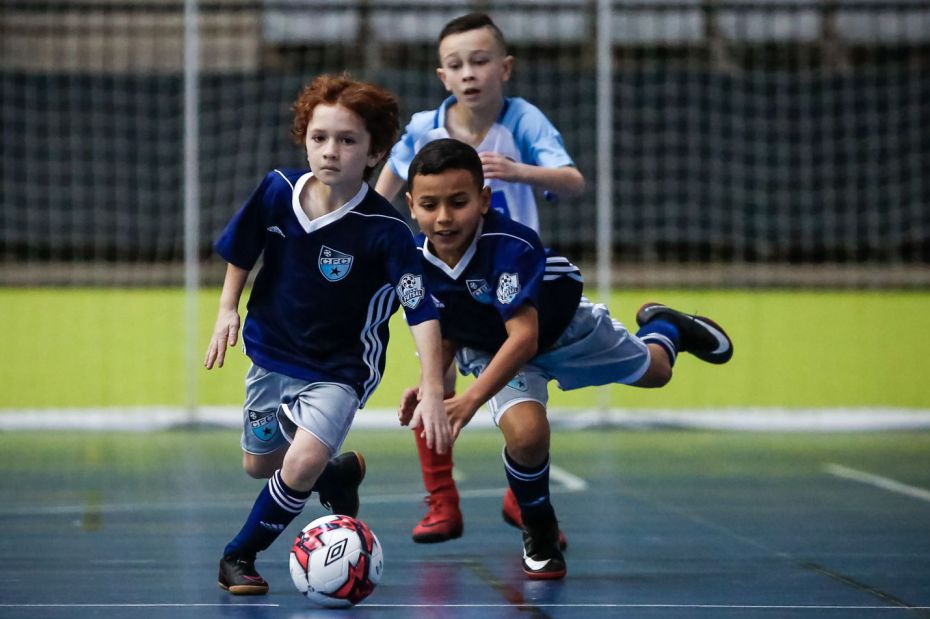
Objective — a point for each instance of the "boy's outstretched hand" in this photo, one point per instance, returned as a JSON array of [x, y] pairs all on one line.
[[429, 414], [225, 333], [460, 410]]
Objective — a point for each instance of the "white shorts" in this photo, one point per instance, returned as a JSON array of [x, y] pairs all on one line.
[[276, 405], [593, 350]]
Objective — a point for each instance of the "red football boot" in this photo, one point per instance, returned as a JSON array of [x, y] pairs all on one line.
[[443, 520]]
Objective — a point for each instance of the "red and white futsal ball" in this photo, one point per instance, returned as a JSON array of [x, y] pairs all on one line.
[[336, 561]]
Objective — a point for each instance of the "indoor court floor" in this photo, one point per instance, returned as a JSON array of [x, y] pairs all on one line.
[[662, 524]]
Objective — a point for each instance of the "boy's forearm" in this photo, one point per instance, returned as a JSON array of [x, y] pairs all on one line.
[[426, 337], [233, 285], [389, 184], [516, 351], [566, 181]]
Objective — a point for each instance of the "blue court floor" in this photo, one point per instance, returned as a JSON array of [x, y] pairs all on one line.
[[660, 524]]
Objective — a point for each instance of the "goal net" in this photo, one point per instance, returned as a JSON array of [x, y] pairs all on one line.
[[754, 141]]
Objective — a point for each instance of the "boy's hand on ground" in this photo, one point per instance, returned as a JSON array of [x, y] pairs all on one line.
[[225, 333]]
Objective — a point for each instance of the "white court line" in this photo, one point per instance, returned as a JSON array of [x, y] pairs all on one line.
[[876, 480], [571, 482], [528, 605], [695, 606], [166, 605]]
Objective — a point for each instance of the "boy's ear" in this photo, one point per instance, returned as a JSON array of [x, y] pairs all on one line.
[[409, 199], [507, 66], [485, 199], [375, 158], [441, 73]]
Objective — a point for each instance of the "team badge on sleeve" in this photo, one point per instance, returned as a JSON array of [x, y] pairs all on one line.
[[508, 286], [411, 290], [334, 265]]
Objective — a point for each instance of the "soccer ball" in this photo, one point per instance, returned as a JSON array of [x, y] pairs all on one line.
[[336, 561]]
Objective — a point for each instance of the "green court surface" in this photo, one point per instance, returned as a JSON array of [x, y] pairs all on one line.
[[77, 348], [660, 524]]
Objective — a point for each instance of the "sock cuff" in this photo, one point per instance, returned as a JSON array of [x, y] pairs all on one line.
[[518, 471], [287, 498], [666, 344], [663, 333]]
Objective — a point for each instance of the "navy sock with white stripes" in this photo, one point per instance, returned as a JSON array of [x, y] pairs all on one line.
[[531, 488], [276, 506], [663, 333]]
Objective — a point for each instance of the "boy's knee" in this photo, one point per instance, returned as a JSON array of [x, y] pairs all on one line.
[[529, 449], [260, 466]]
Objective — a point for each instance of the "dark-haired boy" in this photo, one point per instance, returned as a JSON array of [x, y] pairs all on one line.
[[521, 152], [515, 318]]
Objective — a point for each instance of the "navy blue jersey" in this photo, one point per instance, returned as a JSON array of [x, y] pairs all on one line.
[[505, 267], [320, 304]]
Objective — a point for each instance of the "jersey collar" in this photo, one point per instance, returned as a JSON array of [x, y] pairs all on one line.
[[458, 269], [309, 225]]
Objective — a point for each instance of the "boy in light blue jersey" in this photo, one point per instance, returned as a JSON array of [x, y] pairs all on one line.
[[519, 147], [520, 151], [515, 318], [337, 261]]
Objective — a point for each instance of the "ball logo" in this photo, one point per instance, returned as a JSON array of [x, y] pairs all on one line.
[[336, 551], [410, 290], [334, 265], [508, 286]]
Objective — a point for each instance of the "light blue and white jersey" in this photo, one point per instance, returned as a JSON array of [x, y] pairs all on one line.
[[522, 133]]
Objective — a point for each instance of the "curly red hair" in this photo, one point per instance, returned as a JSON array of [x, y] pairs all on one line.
[[376, 106]]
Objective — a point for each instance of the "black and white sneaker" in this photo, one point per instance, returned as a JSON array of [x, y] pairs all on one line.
[[542, 559], [698, 335], [238, 576], [338, 486]]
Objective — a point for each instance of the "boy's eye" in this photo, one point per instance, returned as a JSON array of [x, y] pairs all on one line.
[[317, 138], [348, 140]]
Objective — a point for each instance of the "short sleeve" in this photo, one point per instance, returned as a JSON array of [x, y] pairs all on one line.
[[539, 141], [405, 272], [519, 281], [243, 240]]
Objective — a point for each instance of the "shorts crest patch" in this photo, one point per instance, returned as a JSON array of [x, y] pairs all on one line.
[[264, 425], [518, 382], [508, 286], [479, 289], [410, 290], [334, 265]]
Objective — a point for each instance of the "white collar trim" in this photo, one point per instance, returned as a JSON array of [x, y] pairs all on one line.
[[309, 225], [458, 269]]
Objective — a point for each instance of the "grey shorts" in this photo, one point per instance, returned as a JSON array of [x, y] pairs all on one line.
[[593, 350], [276, 405]]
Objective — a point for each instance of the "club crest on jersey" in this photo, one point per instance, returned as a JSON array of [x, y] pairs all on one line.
[[508, 286], [479, 289], [410, 290], [264, 425], [334, 265]]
